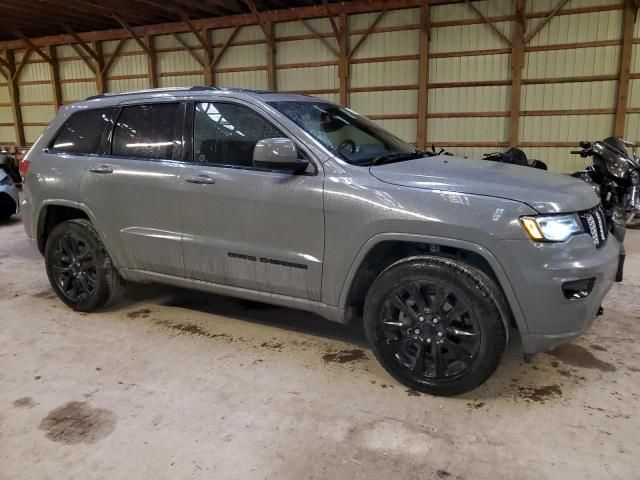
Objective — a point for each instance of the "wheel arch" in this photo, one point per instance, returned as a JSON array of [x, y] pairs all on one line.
[[52, 213], [383, 250]]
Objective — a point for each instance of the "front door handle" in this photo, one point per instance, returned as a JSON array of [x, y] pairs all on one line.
[[102, 169], [201, 179]]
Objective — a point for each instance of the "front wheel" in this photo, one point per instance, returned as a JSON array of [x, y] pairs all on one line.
[[632, 220], [436, 324], [79, 267]]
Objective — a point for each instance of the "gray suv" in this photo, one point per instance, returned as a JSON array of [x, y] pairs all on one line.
[[295, 201]]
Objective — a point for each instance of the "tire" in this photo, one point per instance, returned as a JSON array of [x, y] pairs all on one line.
[[633, 221], [456, 343], [79, 268]]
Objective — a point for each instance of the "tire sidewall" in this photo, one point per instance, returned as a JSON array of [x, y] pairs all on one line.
[[483, 306], [103, 265]]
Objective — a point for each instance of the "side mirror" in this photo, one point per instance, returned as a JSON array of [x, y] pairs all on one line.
[[585, 145], [278, 154]]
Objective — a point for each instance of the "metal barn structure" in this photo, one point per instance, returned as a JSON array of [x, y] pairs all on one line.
[[469, 76]]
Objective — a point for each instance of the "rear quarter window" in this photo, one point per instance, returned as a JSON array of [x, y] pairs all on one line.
[[82, 132]]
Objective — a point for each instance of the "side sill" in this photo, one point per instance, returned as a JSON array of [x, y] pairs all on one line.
[[329, 312]]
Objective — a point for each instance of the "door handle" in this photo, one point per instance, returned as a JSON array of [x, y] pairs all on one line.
[[201, 179], [102, 169]]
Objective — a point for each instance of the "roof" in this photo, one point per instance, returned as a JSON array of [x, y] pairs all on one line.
[[37, 18]]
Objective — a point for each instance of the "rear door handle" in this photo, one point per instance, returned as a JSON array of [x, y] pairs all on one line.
[[102, 169], [201, 179]]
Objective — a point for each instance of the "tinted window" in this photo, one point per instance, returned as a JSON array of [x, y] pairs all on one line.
[[145, 131], [225, 134], [83, 131]]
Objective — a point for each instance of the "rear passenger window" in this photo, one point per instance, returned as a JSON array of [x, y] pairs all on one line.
[[145, 131], [82, 132]]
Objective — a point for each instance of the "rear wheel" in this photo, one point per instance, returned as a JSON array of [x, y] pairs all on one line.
[[79, 267], [436, 324]]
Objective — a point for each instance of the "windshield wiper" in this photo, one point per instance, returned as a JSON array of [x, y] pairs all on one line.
[[395, 157]]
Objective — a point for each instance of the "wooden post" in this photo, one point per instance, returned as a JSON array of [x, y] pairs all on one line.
[[209, 58], [14, 96], [517, 64], [101, 82], [152, 74], [625, 67], [54, 71], [271, 57], [343, 60], [423, 73]]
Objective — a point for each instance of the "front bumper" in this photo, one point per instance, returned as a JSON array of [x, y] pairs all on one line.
[[539, 272]]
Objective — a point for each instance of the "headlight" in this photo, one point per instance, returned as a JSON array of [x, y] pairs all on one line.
[[617, 166], [552, 228]]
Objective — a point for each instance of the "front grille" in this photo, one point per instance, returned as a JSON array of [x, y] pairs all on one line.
[[595, 223]]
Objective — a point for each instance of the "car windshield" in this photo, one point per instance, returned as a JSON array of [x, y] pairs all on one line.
[[351, 136]]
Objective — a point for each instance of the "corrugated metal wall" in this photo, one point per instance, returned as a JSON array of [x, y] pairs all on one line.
[[558, 107]]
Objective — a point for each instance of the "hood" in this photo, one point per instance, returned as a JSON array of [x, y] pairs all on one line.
[[545, 192]]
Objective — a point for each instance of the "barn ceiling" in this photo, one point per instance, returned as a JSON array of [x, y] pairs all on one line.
[[37, 18]]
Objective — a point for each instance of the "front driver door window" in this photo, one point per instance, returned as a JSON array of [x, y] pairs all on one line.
[[246, 227], [226, 133]]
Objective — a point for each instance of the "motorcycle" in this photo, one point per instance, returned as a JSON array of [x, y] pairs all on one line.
[[514, 156], [615, 176]]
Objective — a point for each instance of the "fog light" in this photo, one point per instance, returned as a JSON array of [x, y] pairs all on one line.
[[578, 288]]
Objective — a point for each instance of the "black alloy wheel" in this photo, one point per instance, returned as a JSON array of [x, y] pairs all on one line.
[[73, 266], [429, 329], [79, 267], [436, 324]]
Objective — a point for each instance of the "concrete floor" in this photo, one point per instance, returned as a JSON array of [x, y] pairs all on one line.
[[172, 384]]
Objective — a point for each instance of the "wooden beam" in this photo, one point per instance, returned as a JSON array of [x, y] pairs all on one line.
[[188, 48], [489, 22], [322, 38], [152, 62], [22, 64], [423, 73], [113, 57], [366, 34], [334, 26], [226, 45], [54, 72], [82, 43], [101, 81], [209, 68], [259, 20], [32, 46], [14, 96], [517, 64], [203, 41], [343, 60], [83, 57], [629, 19], [131, 33], [272, 78], [539, 27]]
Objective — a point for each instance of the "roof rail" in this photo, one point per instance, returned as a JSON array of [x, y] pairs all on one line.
[[151, 90], [196, 88]]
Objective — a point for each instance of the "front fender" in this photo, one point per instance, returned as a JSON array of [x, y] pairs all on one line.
[[484, 252]]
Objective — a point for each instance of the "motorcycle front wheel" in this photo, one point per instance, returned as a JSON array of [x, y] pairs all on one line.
[[633, 221]]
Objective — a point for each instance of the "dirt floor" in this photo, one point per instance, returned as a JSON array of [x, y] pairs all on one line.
[[174, 384]]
